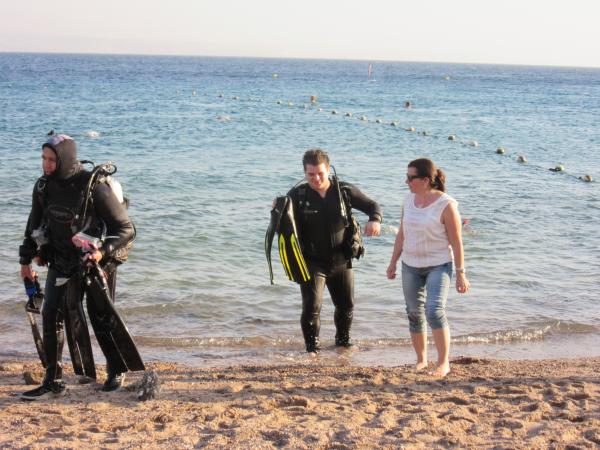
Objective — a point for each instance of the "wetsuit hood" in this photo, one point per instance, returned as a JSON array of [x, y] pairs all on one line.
[[65, 149]]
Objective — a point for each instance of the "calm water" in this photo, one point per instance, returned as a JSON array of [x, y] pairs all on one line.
[[202, 146]]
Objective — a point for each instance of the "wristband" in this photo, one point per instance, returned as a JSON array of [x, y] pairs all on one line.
[[460, 270]]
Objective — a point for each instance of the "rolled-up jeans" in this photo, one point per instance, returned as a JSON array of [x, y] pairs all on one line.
[[425, 292]]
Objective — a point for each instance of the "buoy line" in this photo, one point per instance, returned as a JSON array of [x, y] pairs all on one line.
[[452, 138]]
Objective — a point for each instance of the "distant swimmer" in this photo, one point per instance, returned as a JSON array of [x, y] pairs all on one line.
[[557, 168], [313, 99], [521, 159], [407, 104], [587, 178], [51, 133]]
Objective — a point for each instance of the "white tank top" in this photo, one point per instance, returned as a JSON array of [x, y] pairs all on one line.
[[425, 239]]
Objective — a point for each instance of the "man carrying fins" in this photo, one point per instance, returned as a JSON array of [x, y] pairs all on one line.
[[68, 201], [317, 214]]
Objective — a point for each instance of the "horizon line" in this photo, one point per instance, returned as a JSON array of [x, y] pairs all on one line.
[[295, 58]]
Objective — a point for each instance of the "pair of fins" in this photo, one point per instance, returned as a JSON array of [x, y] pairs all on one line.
[[110, 330], [283, 223]]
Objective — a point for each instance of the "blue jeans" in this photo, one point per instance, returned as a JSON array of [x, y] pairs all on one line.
[[425, 292]]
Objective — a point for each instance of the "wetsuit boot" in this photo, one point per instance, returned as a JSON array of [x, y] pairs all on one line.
[[53, 346], [310, 324], [114, 379], [343, 323]]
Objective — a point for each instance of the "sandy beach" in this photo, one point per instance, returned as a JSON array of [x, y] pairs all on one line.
[[481, 404]]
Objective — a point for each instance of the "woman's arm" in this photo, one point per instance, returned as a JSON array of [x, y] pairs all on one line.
[[398, 244], [452, 223]]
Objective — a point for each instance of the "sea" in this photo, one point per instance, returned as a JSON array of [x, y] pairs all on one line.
[[204, 144]]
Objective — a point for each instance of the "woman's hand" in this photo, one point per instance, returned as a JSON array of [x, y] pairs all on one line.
[[462, 284], [391, 271]]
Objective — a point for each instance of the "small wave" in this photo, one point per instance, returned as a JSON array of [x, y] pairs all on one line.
[[91, 134], [536, 332]]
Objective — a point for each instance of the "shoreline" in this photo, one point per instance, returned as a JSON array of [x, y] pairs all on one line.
[[482, 403], [366, 353]]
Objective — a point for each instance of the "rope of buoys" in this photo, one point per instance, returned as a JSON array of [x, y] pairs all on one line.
[[559, 168]]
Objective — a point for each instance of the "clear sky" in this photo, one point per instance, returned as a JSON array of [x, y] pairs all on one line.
[[531, 32]]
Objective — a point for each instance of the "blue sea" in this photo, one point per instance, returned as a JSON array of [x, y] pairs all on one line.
[[203, 145]]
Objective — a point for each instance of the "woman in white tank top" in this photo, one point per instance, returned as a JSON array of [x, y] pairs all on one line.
[[428, 242]]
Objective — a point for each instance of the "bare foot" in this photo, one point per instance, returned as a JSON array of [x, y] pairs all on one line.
[[441, 370], [420, 366]]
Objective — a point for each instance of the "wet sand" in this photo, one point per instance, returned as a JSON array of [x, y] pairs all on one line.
[[482, 403]]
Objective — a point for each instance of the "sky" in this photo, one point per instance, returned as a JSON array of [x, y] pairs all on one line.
[[528, 32]]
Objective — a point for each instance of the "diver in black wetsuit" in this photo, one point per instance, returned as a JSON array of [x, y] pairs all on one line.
[[56, 201], [324, 239]]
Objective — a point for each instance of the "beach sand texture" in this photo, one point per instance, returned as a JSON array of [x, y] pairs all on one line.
[[481, 404]]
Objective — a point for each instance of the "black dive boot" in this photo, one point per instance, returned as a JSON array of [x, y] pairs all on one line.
[[53, 344], [114, 379], [310, 324], [343, 322]]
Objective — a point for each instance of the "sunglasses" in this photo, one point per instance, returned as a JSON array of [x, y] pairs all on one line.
[[413, 177]]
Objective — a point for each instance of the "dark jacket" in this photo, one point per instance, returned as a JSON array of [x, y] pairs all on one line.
[[321, 227], [57, 200]]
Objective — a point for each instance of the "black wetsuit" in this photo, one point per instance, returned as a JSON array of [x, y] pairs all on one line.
[[56, 199], [323, 237]]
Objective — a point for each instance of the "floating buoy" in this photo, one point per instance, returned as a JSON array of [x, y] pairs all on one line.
[[586, 178], [275, 75], [446, 77], [348, 114], [290, 104], [521, 159], [363, 118], [193, 92], [378, 121], [394, 124], [474, 144], [500, 150], [313, 99], [411, 129], [557, 168], [451, 137], [334, 111]]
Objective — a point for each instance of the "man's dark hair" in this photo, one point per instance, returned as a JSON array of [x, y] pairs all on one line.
[[314, 157]]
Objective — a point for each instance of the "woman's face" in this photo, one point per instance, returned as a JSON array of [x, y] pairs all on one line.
[[416, 184]]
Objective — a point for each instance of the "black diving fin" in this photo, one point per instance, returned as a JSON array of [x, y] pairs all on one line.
[[110, 330], [290, 253], [78, 336], [33, 306]]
